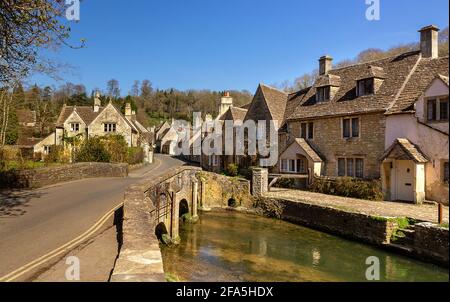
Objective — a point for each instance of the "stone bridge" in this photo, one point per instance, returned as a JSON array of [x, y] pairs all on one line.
[[153, 208]]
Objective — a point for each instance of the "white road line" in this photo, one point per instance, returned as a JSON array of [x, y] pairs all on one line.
[[64, 248]]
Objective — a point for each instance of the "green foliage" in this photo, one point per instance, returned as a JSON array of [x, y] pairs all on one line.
[[12, 131], [92, 150], [116, 147], [348, 187], [286, 183], [135, 155], [56, 155], [232, 170]]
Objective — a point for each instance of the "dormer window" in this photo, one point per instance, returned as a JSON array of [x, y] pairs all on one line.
[[437, 109], [365, 87], [323, 94]]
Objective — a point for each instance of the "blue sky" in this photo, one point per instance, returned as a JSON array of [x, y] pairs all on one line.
[[230, 44]]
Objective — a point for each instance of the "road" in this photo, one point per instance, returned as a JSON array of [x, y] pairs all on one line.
[[35, 222]]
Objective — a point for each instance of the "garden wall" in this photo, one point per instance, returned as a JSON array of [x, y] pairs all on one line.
[[41, 177]]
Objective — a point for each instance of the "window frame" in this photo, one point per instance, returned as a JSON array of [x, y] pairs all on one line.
[[75, 127], [323, 94], [354, 161], [445, 176], [437, 116], [305, 130], [364, 82], [110, 127], [351, 130]]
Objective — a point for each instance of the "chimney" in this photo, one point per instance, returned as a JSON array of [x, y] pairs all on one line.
[[97, 102], [128, 111], [429, 44], [325, 65], [226, 102]]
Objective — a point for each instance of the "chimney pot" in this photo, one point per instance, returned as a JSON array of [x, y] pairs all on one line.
[[429, 41], [325, 65]]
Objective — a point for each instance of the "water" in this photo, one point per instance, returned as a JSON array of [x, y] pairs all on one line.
[[227, 246]]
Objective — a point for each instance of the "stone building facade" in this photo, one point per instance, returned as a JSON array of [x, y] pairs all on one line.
[[97, 121]]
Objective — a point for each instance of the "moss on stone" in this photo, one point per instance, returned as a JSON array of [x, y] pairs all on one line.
[[172, 277]]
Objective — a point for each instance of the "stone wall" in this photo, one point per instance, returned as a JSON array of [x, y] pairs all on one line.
[[140, 258], [431, 242], [328, 141], [37, 178], [217, 190], [365, 228]]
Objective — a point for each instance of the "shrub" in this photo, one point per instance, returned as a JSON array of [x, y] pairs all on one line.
[[232, 170], [285, 183], [92, 150], [56, 155], [348, 187], [135, 155], [117, 148]]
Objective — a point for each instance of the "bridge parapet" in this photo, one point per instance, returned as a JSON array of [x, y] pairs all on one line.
[[147, 204]]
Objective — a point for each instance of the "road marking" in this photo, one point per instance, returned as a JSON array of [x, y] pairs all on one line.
[[64, 248], [154, 168]]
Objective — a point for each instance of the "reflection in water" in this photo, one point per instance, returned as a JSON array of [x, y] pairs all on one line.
[[226, 246]]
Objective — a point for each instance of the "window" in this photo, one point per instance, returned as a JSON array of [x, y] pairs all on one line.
[[443, 109], [355, 127], [110, 127], [75, 127], [445, 178], [284, 165], [323, 94], [292, 165], [341, 167], [310, 130], [359, 168], [437, 109], [307, 130], [301, 165], [431, 110], [303, 130], [47, 150], [351, 167], [350, 127], [365, 87]]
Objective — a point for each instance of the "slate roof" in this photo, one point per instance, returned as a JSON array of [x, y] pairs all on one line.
[[275, 101], [395, 70], [86, 113], [426, 72], [307, 148], [403, 149], [234, 114]]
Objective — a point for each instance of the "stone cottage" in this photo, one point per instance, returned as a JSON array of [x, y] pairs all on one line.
[[353, 118], [415, 164], [97, 120]]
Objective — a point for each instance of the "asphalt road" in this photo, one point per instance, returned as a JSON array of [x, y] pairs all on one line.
[[35, 222]]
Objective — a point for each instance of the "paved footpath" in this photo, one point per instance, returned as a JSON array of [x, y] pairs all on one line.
[[424, 212], [36, 222]]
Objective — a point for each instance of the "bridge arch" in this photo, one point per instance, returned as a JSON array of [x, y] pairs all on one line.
[[183, 208], [160, 231]]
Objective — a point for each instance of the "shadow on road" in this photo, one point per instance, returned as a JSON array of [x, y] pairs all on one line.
[[13, 203]]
